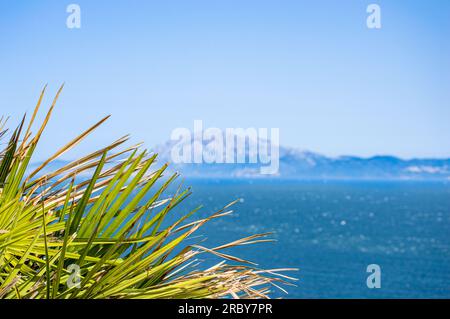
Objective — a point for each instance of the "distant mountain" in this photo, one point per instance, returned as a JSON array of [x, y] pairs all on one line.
[[299, 164]]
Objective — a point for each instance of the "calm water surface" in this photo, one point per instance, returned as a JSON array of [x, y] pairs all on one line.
[[333, 230]]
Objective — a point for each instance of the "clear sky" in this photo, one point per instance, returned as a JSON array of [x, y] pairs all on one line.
[[311, 68]]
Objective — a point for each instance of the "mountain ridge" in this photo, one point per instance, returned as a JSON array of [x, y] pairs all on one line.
[[296, 163]]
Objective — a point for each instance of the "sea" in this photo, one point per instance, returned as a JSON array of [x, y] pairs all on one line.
[[331, 231]]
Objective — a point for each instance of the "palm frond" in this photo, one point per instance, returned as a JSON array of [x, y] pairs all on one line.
[[111, 224]]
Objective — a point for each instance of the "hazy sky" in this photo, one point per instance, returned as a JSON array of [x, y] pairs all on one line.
[[311, 68]]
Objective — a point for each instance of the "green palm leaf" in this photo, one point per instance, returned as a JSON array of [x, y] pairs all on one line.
[[111, 225]]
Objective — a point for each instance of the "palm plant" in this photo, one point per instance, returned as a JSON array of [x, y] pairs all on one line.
[[65, 235]]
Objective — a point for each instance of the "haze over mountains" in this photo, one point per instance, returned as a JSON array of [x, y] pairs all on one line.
[[295, 163], [299, 164]]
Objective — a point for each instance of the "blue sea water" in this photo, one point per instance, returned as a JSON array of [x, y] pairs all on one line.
[[332, 231]]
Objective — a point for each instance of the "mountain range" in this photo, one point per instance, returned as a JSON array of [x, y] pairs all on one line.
[[295, 163], [299, 164]]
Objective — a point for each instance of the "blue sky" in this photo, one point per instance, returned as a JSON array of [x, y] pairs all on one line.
[[311, 68]]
